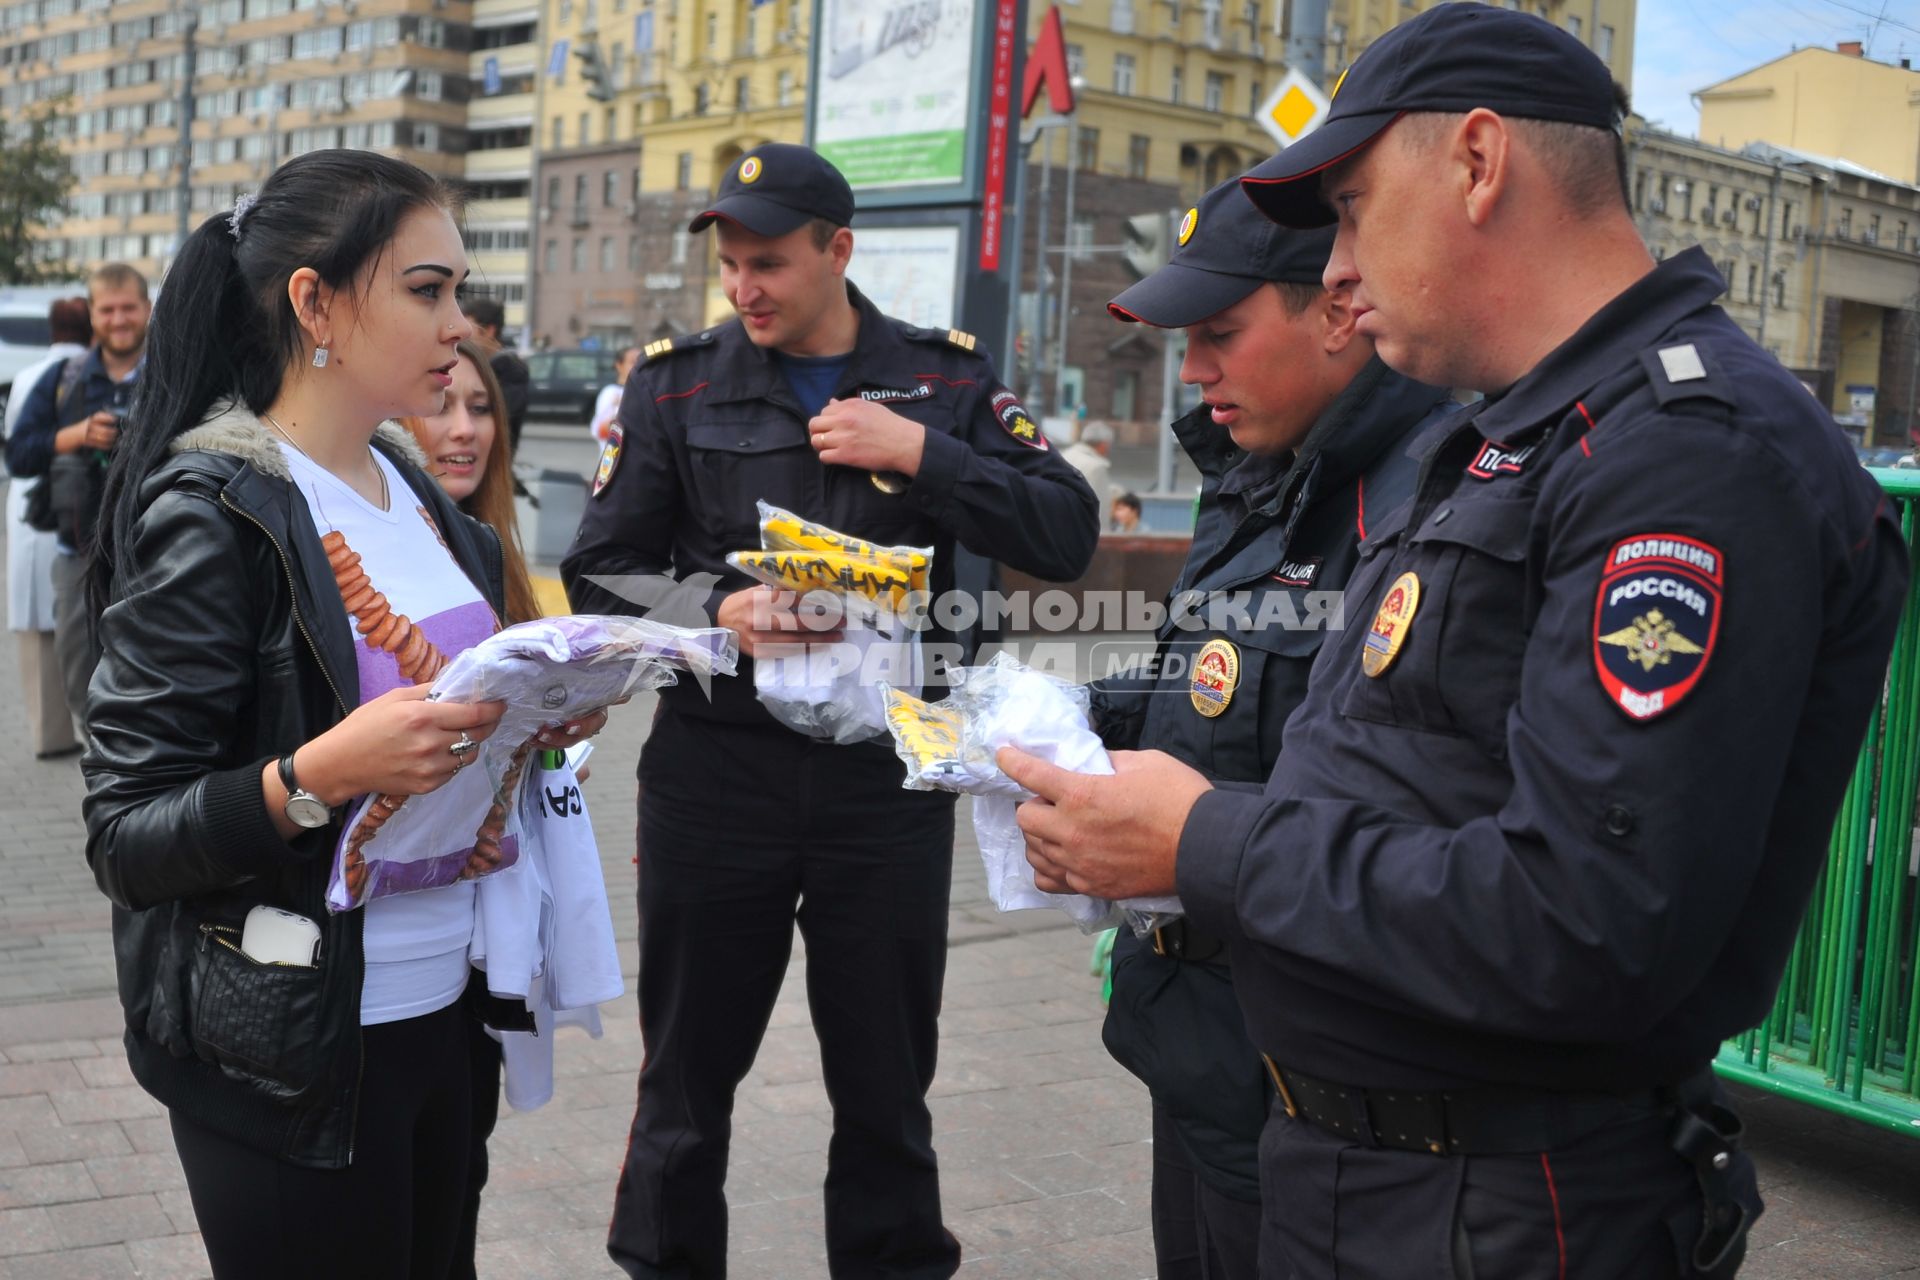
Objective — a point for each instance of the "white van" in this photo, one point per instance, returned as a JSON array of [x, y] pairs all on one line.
[[24, 337]]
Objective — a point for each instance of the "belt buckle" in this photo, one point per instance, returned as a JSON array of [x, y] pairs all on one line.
[[1286, 1095], [1160, 942]]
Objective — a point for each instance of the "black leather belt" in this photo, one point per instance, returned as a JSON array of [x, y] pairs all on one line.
[[1180, 940], [1458, 1122]]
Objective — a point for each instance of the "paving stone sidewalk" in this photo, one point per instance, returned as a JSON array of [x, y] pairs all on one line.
[[1043, 1141]]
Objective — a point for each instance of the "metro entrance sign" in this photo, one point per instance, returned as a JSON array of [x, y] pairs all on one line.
[[1294, 109]]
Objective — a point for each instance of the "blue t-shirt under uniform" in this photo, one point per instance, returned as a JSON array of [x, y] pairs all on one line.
[[813, 378]]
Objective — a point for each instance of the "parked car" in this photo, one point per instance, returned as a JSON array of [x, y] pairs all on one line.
[[563, 384], [24, 336]]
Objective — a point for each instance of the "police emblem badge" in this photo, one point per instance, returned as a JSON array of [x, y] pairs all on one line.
[[1655, 620], [609, 459], [1216, 673], [1390, 623]]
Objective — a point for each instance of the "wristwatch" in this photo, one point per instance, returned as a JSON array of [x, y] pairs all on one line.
[[303, 808]]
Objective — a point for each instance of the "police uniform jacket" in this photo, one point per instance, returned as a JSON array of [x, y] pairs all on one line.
[[1558, 793], [1273, 544], [708, 425]]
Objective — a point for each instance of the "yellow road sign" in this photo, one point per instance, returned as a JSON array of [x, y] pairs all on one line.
[[1293, 110]]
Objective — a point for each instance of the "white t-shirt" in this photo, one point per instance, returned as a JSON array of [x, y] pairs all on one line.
[[606, 407], [416, 943]]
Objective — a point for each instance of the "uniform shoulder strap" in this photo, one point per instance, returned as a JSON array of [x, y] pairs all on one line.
[[661, 348]]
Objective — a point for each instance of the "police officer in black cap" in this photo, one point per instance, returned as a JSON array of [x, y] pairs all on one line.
[[815, 402], [1302, 437], [1541, 832]]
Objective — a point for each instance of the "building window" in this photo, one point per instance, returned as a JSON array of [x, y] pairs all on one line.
[[1780, 289], [1605, 45], [1076, 60], [1120, 17], [1786, 219], [1846, 224], [1137, 152], [785, 88], [586, 127], [682, 245], [1123, 73], [1685, 191], [606, 253], [578, 259], [1753, 282], [740, 93], [1089, 157], [1573, 26], [700, 98], [633, 253], [553, 191], [579, 190], [1210, 21], [550, 259], [1639, 189], [1126, 393], [713, 33], [683, 172], [1900, 235], [559, 133], [1258, 95], [1177, 86], [1873, 228], [1216, 92], [609, 188]]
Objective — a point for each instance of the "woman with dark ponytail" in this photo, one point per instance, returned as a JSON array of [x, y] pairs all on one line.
[[278, 582]]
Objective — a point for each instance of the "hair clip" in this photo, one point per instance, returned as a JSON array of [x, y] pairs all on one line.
[[241, 207]]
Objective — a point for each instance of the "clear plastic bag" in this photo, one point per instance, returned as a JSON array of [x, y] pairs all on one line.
[[548, 672], [875, 593], [1006, 704]]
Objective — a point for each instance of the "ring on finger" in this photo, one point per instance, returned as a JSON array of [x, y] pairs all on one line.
[[462, 746]]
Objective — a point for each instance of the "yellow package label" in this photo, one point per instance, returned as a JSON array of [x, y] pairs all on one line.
[[926, 734], [782, 530], [827, 571]]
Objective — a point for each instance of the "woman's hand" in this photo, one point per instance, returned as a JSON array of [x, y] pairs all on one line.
[[399, 744], [561, 737]]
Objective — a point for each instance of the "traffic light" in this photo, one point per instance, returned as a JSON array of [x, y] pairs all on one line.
[[594, 71], [1149, 237]]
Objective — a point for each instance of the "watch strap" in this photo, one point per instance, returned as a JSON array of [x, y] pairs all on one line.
[[287, 779]]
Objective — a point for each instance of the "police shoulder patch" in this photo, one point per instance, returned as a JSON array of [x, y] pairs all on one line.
[[961, 339], [1656, 619], [679, 343], [609, 459], [1016, 421]]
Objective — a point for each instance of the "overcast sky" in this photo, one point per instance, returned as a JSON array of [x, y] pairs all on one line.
[[1683, 46]]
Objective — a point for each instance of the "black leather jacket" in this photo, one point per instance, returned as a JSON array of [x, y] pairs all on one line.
[[228, 647]]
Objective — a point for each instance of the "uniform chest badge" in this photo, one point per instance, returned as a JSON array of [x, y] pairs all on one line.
[[1390, 624], [1655, 620], [1216, 673], [609, 459]]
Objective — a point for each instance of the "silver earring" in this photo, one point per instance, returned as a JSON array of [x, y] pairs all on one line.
[[319, 357]]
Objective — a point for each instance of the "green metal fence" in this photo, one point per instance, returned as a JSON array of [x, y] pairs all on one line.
[[1844, 1033]]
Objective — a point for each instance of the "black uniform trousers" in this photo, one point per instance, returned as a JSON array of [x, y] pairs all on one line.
[[745, 829], [1199, 1231], [1615, 1204]]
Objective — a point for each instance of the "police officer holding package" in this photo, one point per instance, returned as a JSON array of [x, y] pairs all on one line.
[[816, 402], [1539, 836], [1301, 438]]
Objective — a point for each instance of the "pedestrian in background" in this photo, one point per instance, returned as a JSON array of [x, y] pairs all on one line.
[[1540, 835], [65, 433], [489, 330], [51, 727], [606, 406], [816, 402], [1091, 455], [260, 507], [1301, 437]]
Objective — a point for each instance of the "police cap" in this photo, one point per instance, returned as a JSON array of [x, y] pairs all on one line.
[[777, 187], [1452, 58], [1224, 250]]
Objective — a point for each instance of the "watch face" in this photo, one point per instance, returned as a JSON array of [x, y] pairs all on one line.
[[306, 810]]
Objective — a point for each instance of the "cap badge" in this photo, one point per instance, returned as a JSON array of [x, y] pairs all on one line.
[[1337, 83], [1390, 624], [1216, 674], [750, 170], [1187, 224]]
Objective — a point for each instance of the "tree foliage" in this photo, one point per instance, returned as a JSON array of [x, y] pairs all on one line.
[[36, 183]]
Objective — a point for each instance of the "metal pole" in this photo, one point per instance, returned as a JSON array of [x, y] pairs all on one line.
[[1066, 264], [1169, 393], [1042, 265], [183, 195], [1009, 348]]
